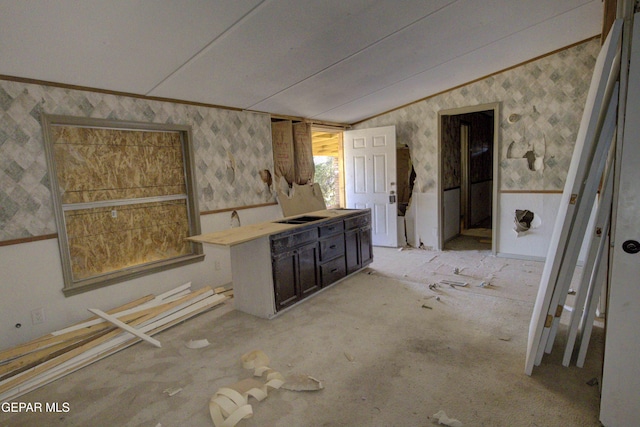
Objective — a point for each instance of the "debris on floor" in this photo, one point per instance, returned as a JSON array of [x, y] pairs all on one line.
[[443, 419], [31, 365], [592, 382], [195, 344], [301, 382], [426, 306], [350, 357], [453, 283], [571, 291], [230, 405], [172, 391]]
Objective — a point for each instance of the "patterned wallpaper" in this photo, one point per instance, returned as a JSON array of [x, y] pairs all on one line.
[[548, 94], [231, 148]]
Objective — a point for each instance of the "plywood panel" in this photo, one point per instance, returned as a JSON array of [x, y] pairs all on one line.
[[102, 240], [121, 167], [104, 164]]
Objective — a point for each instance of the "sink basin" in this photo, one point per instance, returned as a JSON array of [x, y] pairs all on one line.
[[301, 219]]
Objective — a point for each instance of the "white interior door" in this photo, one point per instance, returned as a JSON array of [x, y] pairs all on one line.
[[370, 179], [621, 369]]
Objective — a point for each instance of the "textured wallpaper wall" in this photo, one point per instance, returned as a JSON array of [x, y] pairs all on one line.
[[549, 96], [231, 147]]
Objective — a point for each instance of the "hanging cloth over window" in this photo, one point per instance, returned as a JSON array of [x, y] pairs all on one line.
[[303, 151]]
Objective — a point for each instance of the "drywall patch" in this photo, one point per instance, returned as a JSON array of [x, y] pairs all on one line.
[[525, 220]]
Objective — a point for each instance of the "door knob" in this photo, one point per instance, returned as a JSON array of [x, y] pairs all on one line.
[[631, 246]]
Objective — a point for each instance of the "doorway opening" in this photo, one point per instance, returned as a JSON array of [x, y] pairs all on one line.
[[468, 176], [329, 168]]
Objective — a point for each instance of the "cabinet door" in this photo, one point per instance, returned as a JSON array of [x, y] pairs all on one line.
[[308, 269], [352, 250], [284, 279], [366, 246]]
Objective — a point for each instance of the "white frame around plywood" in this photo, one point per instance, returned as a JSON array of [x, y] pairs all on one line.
[[599, 94]]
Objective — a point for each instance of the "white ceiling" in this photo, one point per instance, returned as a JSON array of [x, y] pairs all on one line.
[[328, 60]]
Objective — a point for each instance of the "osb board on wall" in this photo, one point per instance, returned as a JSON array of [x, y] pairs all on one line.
[[95, 164], [106, 239]]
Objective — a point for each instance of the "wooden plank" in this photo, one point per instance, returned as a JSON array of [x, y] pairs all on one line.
[[33, 359], [588, 192], [125, 327], [588, 316], [595, 253], [64, 365], [599, 91], [53, 338], [43, 367], [152, 313], [155, 301]]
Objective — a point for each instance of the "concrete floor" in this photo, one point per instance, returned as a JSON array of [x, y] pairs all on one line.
[[385, 359]]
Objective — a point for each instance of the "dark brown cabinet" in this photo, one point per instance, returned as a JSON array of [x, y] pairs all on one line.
[[357, 242], [295, 266], [312, 257]]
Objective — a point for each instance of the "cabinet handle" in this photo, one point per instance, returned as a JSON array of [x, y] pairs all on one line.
[[334, 270], [332, 247]]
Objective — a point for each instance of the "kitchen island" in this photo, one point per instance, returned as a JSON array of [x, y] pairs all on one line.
[[277, 264]]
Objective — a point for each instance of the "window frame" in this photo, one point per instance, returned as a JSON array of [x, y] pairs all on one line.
[[75, 286]]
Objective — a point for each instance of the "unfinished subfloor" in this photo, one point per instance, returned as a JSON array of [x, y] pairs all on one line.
[[387, 351]]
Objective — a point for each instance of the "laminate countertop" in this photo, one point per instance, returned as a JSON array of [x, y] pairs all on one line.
[[234, 236]]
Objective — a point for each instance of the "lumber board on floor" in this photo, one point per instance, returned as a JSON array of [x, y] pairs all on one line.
[[45, 359]]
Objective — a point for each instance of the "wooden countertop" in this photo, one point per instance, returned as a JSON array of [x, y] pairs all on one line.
[[234, 236]]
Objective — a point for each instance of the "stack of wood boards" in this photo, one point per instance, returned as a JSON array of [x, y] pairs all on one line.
[[38, 362], [586, 171]]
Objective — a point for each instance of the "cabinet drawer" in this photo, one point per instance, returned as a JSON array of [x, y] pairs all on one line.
[[331, 247], [280, 243], [356, 222], [333, 271], [331, 228]]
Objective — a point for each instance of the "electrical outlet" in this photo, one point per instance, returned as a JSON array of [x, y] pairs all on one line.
[[37, 316], [216, 265]]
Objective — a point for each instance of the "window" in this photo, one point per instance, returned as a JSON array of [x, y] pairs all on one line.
[[124, 198]]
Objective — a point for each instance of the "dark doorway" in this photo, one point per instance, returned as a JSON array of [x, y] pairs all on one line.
[[467, 153]]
